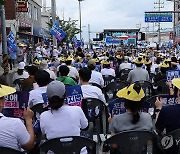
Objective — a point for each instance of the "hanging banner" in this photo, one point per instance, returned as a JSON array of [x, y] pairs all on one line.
[[12, 46]]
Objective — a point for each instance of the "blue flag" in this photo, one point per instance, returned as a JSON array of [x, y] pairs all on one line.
[[170, 44], [75, 41], [12, 46], [82, 42], [57, 32]]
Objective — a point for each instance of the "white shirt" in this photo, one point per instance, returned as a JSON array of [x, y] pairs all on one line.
[[44, 51], [16, 76], [36, 96], [153, 68], [51, 73], [108, 71], [13, 133], [125, 66], [96, 77], [73, 72], [66, 121], [55, 53], [38, 52], [92, 92]]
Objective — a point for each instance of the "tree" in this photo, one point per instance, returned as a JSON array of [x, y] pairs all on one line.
[[70, 27]]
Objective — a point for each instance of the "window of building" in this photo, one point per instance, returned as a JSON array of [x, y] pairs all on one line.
[[29, 10], [35, 13]]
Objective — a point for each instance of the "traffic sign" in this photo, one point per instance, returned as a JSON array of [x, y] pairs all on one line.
[[158, 17]]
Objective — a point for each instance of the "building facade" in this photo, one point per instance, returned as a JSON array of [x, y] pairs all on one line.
[[177, 22], [29, 23]]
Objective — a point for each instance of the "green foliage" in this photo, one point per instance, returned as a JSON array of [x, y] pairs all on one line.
[[2, 2], [70, 27]]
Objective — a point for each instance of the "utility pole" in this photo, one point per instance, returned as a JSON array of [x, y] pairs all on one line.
[[53, 13], [4, 39], [153, 33], [174, 22], [159, 3], [80, 22], [89, 36]]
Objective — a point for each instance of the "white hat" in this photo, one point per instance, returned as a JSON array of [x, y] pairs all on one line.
[[43, 64], [55, 47], [21, 65]]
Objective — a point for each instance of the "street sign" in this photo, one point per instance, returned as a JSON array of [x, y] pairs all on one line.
[[158, 17], [21, 6]]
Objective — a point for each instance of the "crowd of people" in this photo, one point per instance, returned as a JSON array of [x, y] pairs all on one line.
[[48, 71]]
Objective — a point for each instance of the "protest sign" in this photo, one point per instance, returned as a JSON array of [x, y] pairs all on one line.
[[171, 74], [74, 95], [117, 107], [15, 103]]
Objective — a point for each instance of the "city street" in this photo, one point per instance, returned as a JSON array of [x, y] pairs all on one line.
[[90, 76]]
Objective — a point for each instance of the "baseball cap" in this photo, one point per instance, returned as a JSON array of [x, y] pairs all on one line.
[[91, 62], [21, 65], [55, 88]]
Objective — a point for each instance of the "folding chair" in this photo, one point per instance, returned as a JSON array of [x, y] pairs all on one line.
[[147, 87], [162, 88], [132, 142], [69, 145], [5, 150], [96, 113], [112, 88], [108, 79]]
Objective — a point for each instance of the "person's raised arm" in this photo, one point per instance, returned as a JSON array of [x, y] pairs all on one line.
[[28, 115]]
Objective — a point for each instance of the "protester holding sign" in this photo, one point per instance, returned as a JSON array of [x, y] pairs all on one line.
[[132, 119], [168, 117], [62, 120], [13, 133]]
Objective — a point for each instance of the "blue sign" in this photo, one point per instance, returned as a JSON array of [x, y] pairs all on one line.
[[57, 32], [169, 100], [15, 104], [155, 17], [12, 46], [171, 74], [74, 95], [117, 107]]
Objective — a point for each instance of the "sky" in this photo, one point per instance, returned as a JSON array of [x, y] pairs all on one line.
[[107, 14]]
